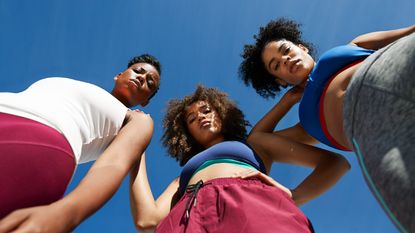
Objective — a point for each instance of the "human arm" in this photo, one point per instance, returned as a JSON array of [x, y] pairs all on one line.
[[272, 118], [146, 211], [328, 167], [377, 40], [97, 187]]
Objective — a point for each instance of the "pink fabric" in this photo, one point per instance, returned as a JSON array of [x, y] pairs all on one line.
[[234, 205], [36, 164]]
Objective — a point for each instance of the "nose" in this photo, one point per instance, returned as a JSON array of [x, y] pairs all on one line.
[[141, 78], [286, 60], [201, 116]]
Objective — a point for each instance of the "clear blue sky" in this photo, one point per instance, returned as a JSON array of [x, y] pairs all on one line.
[[197, 42]]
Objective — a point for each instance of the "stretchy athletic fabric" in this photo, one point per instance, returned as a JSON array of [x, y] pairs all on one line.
[[225, 150], [36, 164], [379, 119], [88, 116], [233, 205], [327, 67]]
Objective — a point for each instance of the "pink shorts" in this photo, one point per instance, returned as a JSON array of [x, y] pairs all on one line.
[[233, 205], [36, 164]]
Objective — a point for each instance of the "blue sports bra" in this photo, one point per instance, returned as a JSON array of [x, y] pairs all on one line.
[[233, 150], [328, 66]]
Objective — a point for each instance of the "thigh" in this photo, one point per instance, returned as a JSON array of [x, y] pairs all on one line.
[[379, 113]]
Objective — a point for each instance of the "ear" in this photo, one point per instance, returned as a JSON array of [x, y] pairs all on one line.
[[116, 77], [303, 48], [281, 82]]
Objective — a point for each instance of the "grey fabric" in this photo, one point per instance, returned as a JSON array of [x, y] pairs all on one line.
[[379, 113]]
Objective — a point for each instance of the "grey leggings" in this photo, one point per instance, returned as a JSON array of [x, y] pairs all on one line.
[[379, 113]]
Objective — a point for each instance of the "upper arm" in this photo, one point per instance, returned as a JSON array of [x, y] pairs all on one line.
[[277, 148], [130, 142], [298, 134]]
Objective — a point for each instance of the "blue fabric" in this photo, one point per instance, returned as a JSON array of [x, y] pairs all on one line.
[[229, 149], [328, 65]]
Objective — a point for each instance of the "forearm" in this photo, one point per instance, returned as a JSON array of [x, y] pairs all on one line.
[[377, 40], [271, 119], [323, 177], [143, 205], [98, 186]]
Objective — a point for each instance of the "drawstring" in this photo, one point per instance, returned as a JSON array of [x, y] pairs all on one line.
[[193, 188]]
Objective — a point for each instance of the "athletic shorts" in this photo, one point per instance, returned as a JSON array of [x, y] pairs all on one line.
[[234, 205], [36, 164]]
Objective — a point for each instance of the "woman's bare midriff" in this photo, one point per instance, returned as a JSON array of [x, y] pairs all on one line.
[[219, 170], [333, 105]]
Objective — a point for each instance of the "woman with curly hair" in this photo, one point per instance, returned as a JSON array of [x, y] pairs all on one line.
[[223, 186], [359, 97]]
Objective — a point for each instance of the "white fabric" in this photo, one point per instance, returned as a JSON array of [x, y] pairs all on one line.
[[88, 116]]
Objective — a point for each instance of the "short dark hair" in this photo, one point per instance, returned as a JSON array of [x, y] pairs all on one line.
[[149, 59], [252, 69], [176, 137]]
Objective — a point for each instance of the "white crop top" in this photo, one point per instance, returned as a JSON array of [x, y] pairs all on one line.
[[88, 116]]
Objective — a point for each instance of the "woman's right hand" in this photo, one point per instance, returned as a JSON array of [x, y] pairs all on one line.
[[250, 173], [294, 94]]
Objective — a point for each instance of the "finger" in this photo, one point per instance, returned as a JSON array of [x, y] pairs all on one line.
[[250, 173], [241, 174], [12, 221]]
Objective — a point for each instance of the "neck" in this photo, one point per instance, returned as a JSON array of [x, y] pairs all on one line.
[[120, 98], [214, 142]]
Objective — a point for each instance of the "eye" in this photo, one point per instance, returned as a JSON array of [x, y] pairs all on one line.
[[150, 82], [190, 119], [277, 65], [287, 50], [139, 70]]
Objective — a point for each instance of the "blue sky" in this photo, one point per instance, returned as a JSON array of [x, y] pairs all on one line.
[[197, 42]]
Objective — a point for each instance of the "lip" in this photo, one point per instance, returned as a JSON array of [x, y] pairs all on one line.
[[293, 64], [205, 123], [136, 82]]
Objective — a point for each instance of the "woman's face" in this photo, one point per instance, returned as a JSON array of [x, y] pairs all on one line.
[[136, 84], [287, 62], [204, 124]]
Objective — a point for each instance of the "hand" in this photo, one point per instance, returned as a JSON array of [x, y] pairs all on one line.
[[247, 174], [44, 219], [294, 94]]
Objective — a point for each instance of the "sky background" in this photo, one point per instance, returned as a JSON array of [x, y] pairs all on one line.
[[196, 42]]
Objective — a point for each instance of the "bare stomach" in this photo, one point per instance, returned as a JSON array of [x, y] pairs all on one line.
[[219, 170], [333, 105]]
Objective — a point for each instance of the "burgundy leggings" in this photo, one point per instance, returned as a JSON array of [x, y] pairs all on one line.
[[36, 164]]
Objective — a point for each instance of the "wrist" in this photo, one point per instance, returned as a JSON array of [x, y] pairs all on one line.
[[69, 212]]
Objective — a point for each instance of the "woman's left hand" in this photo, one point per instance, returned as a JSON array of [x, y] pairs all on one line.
[[247, 174]]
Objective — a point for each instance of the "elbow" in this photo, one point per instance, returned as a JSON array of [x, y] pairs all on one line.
[[145, 225], [341, 163]]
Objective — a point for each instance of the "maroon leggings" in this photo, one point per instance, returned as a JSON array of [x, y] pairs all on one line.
[[36, 164]]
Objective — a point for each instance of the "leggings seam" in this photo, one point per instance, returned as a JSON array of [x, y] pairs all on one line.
[[40, 144], [374, 188], [388, 91], [360, 87]]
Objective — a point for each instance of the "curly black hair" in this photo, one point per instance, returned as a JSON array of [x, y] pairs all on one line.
[[149, 59], [176, 137], [252, 69]]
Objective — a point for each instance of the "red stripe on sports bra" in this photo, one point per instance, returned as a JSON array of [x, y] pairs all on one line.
[[321, 112]]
